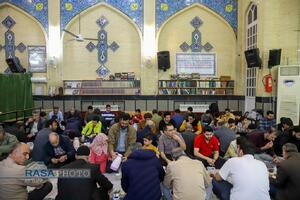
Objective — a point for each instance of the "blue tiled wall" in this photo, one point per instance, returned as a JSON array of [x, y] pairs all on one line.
[[36, 8], [132, 8], [225, 8]]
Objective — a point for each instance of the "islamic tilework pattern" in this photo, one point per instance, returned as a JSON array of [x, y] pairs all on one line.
[[196, 45], [102, 47], [36, 8], [134, 9], [9, 36], [225, 8]]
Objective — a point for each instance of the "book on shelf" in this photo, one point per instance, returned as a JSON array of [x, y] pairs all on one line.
[[124, 76], [118, 76]]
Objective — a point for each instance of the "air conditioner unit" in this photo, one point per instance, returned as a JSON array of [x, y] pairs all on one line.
[[38, 79], [288, 93]]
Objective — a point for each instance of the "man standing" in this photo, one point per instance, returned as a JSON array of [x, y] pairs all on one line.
[[120, 136], [16, 188], [83, 188], [169, 141], [142, 174], [267, 122], [7, 141], [249, 177], [206, 148], [287, 180], [184, 171]]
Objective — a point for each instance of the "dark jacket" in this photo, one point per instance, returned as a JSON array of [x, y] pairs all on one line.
[[65, 144], [74, 124], [38, 153], [288, 178], [84, 188], [141, 133], [29, 126], [141, 176]]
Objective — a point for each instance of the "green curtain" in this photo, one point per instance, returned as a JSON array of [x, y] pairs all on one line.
[[15, 94]]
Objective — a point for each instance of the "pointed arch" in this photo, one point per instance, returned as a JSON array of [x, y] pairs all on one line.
[[27, 14], [109, 7], [190, 7]]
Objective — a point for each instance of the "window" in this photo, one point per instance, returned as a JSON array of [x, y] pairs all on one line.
[[251, 43]]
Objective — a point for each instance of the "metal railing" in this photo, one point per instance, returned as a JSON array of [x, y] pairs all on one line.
[[17, 112]]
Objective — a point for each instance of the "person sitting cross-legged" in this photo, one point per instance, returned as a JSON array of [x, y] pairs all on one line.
[[15, 187], [91, 129], [96, 186], [287, 179], [169, 141], [148, 140], [7, 141], [142, 173], [59, 151], [206, 148], [243, 177], [184, 171]]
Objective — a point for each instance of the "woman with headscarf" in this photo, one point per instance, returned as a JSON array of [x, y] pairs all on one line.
[[98, 151]]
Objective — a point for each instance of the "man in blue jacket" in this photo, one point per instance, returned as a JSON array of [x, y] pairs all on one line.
[[141, 175]]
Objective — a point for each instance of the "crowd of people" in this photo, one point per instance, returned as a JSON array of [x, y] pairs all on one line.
[[171, 155]]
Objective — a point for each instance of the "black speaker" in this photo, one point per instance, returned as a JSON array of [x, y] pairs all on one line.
[[163, 59], [274, 57], [252, 58], [15, 65]]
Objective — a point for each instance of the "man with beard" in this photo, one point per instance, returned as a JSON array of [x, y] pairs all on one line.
[[206, 149], [120, 136]]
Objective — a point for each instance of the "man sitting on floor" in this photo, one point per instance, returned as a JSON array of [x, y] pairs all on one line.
[[59, 151], [83, 188], [142, 174], [7, 141], [184, 171], [287, 181], [264, 144], [16, 188], [206, 148], [243, 177], [169, 141]]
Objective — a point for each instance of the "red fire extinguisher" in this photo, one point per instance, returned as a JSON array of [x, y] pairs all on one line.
[[267, 81]]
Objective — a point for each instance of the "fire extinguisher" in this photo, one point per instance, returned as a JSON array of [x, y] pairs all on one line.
[[267, 81]]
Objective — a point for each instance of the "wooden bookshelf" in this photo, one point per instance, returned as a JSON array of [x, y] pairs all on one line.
[[102, 87], [196, 87]]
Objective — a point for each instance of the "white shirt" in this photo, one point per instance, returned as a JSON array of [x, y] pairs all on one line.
[[249, 177], [34, 128]]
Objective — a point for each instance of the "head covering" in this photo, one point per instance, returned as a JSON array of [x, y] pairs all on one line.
[[99, 144], [83, 151]]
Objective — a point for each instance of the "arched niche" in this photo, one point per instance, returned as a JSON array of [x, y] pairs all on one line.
[[80, 64], [215, 30], [27, 30]]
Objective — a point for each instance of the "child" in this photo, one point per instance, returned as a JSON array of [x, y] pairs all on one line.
[[98, 154], [148, 138]]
